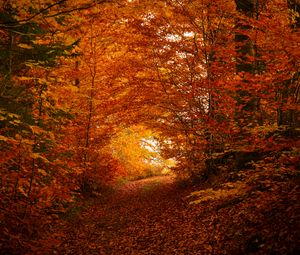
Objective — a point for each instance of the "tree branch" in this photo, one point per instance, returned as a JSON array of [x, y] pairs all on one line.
[[22, 21], [19, 22]]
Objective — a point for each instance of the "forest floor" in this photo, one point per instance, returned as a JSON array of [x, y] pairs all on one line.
[[154, 216]]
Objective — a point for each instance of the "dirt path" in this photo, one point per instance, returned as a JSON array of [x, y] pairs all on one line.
[[152, 217], [143, 217]]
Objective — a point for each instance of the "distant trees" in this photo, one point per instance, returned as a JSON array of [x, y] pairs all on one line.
[[227, 78]]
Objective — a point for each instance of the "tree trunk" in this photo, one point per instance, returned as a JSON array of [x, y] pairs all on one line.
[[246, 62]]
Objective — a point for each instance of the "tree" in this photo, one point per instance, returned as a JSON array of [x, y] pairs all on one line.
[[35, 182], [191, 44]]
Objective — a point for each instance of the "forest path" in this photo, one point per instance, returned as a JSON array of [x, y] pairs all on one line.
[[143, 217], [153, 217]]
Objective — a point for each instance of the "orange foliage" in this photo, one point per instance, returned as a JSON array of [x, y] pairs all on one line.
[[216, 81]]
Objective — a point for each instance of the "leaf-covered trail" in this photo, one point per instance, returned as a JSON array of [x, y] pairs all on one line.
[[143, 217], [153, 217]]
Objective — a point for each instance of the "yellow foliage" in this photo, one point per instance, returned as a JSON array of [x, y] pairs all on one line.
[[25, 46], [136, 148], [229, 189]]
